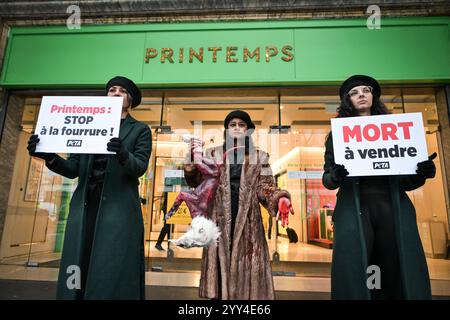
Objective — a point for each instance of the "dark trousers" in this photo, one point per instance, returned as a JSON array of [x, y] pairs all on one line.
[[378, 225], [165, 230], [269, 231]]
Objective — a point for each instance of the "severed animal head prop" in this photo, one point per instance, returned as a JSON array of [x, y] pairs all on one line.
[[202, 233]]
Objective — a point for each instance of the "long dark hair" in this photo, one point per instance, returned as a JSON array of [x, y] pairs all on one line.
[[346, 108]]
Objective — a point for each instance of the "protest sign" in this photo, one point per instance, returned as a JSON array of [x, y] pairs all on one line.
[[78, 124], [379, 145]]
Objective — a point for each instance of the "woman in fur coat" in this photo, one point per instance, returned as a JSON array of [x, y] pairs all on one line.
[[238, 267]]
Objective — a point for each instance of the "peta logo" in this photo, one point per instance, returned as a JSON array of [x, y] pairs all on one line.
[[381, 165], [73, 143]]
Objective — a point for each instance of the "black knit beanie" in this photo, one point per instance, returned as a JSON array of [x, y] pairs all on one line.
[[359, 80]]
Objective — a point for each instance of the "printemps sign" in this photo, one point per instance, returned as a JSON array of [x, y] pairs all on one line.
[[241, 53], [228, 54]]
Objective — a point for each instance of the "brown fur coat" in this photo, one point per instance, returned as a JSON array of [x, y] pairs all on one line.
[[239, 266]]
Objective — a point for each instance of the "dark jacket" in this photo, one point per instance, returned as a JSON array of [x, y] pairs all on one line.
[[349, 265], [116, 269]]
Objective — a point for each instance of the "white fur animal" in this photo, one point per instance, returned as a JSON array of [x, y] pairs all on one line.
[[202, 233]]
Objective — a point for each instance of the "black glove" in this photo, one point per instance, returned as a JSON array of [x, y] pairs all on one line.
[[338, 172], [32, 143], [116, 145], [427, 169]]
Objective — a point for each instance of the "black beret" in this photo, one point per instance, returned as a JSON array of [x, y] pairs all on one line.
[[240, 115], [129, 85], [359, 80]]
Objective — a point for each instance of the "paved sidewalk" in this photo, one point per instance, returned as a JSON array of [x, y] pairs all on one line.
[[46, 290]]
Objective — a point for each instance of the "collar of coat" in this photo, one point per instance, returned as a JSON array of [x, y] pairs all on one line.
[[126, 127]]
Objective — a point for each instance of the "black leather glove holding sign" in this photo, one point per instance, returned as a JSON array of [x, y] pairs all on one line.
[[116, 145], [427, 169], [32, 144], [338, 172]]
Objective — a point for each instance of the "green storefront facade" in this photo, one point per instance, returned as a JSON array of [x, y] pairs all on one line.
[[404, 50], [408, 52]]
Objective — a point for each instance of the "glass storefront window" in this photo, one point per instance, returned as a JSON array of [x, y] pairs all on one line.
[[307, 112], [39, 199], [429, 200], [38, 204], [199, 113], [149, 112]]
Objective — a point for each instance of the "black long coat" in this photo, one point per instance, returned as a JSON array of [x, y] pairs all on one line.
[[349, 264], [116, 269]]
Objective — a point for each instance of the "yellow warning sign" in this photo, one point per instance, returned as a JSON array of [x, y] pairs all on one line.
[[182, 216]]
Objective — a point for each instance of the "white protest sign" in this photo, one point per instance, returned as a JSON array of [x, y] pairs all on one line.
[[379, 145], [78, 124]]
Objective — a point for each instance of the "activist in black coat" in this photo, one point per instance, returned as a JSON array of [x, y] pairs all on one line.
[[374, 219], [104, 234]]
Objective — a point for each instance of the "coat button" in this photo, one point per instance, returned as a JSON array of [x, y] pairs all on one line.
[[85, 204], [104, 198]]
